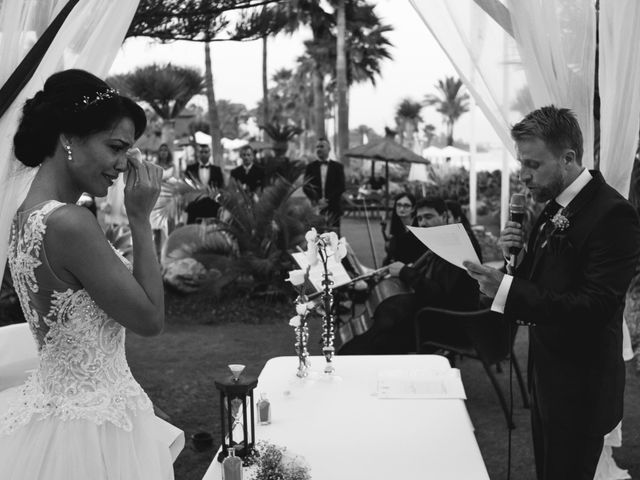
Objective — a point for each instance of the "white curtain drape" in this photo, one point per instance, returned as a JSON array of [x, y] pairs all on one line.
[[619, 85], [483, 55], [89, 39], [557, 47]]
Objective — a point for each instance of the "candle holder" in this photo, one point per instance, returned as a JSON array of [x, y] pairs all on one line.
[[328, 329], [302, 339]]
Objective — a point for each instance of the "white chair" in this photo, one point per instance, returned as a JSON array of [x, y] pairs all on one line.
[[18, 354]]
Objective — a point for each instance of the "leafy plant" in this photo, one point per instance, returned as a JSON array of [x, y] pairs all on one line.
[[266, 229]]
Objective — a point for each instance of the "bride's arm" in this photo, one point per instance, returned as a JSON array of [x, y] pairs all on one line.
[[77, 247]]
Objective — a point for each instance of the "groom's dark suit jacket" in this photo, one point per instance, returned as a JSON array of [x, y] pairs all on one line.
[[572, 291]]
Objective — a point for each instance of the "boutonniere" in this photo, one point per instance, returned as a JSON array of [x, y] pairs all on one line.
[[560, 221]]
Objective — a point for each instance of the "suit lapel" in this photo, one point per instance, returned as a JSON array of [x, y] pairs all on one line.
[[575, 206]]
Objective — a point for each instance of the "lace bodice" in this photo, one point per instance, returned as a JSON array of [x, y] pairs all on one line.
[[83, 372]]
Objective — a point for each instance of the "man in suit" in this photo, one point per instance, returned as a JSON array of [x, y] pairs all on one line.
[[569, 286], [325, 184], [249, 175], [206, 173], [434, 283]]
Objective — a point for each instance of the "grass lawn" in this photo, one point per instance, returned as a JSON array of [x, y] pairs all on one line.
[[202, 336]]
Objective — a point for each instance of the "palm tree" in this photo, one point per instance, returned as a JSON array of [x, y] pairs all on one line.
[[452, 103], [429, 131], [166, 88], [407, 119], [364, 34]]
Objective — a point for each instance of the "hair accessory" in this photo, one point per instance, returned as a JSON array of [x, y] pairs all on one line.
[[69, 154], [87, 101]]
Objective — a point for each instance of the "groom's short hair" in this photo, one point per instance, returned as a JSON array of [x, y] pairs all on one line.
[[558, 128]]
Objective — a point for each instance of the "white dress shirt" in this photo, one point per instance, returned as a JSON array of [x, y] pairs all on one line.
[[324, 166], [563, 200], [204, 172]]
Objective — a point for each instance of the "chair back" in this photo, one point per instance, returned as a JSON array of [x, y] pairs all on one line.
[[487, 332]]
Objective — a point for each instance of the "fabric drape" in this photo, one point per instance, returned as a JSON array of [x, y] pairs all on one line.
[[619, 85], [89, 39], [556, 45]]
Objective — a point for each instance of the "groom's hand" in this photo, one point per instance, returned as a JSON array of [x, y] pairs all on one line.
[[488, 278]]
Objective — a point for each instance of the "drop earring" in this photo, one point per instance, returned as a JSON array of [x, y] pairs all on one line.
[[69, 155]]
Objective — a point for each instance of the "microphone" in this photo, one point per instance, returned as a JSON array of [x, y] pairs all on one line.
[[517, 207]]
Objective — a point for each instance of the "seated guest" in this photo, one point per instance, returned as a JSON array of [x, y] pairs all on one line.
[[249, 175], [400, 244], [456, 215], [435, 283], [206, 173]]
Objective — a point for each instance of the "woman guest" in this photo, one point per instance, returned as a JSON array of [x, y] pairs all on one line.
[[400, 244], [165, 161], [81, 414], [162, 225]]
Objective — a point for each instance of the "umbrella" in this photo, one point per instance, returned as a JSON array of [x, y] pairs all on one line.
[[202, 138], [387, 150], [451, 151], [432, 151]]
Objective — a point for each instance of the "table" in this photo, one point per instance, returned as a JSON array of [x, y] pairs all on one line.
[[344, 431]]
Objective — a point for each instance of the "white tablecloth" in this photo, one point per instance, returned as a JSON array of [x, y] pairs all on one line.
[[345, 432]]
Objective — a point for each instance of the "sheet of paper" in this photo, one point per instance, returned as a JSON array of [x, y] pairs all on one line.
[[316, 273], [449, 242], [393, 383]]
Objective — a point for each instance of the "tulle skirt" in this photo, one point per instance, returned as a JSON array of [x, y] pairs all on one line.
[[80, 449]]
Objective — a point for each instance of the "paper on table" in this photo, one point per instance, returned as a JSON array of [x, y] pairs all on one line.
[[449, 242], [394, 383]]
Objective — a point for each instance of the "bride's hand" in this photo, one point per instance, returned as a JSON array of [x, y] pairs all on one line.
[[142, 186]]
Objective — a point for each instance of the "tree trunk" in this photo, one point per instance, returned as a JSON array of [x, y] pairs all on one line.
[[342, 86], [318, 101], [449, 133], [265, 86], [168, 134], [214, 120]]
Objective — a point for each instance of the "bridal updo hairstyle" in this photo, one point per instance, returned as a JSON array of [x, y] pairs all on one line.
[[73, 102]]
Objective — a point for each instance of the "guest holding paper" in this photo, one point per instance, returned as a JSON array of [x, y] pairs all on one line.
[[435, 283], [569, 287]]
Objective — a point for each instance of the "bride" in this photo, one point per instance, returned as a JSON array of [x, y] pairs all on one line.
[[81, 414]]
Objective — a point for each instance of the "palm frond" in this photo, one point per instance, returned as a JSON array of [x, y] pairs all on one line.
[[175, 195]]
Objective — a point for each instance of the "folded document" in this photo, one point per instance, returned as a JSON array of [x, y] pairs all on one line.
[[395, 383]]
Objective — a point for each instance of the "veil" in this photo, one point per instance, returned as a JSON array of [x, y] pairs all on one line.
[[88, 38]]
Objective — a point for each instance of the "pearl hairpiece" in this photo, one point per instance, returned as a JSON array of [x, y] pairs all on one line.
[[86, 101]]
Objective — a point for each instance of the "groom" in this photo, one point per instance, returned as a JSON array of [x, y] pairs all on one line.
[[569, 287]]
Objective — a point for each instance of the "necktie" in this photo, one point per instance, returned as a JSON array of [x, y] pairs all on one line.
[[545, 228]]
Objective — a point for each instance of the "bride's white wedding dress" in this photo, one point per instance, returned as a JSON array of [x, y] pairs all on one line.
[[80, 415]]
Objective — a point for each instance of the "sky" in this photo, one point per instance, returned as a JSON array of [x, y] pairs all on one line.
[[417, 64]]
